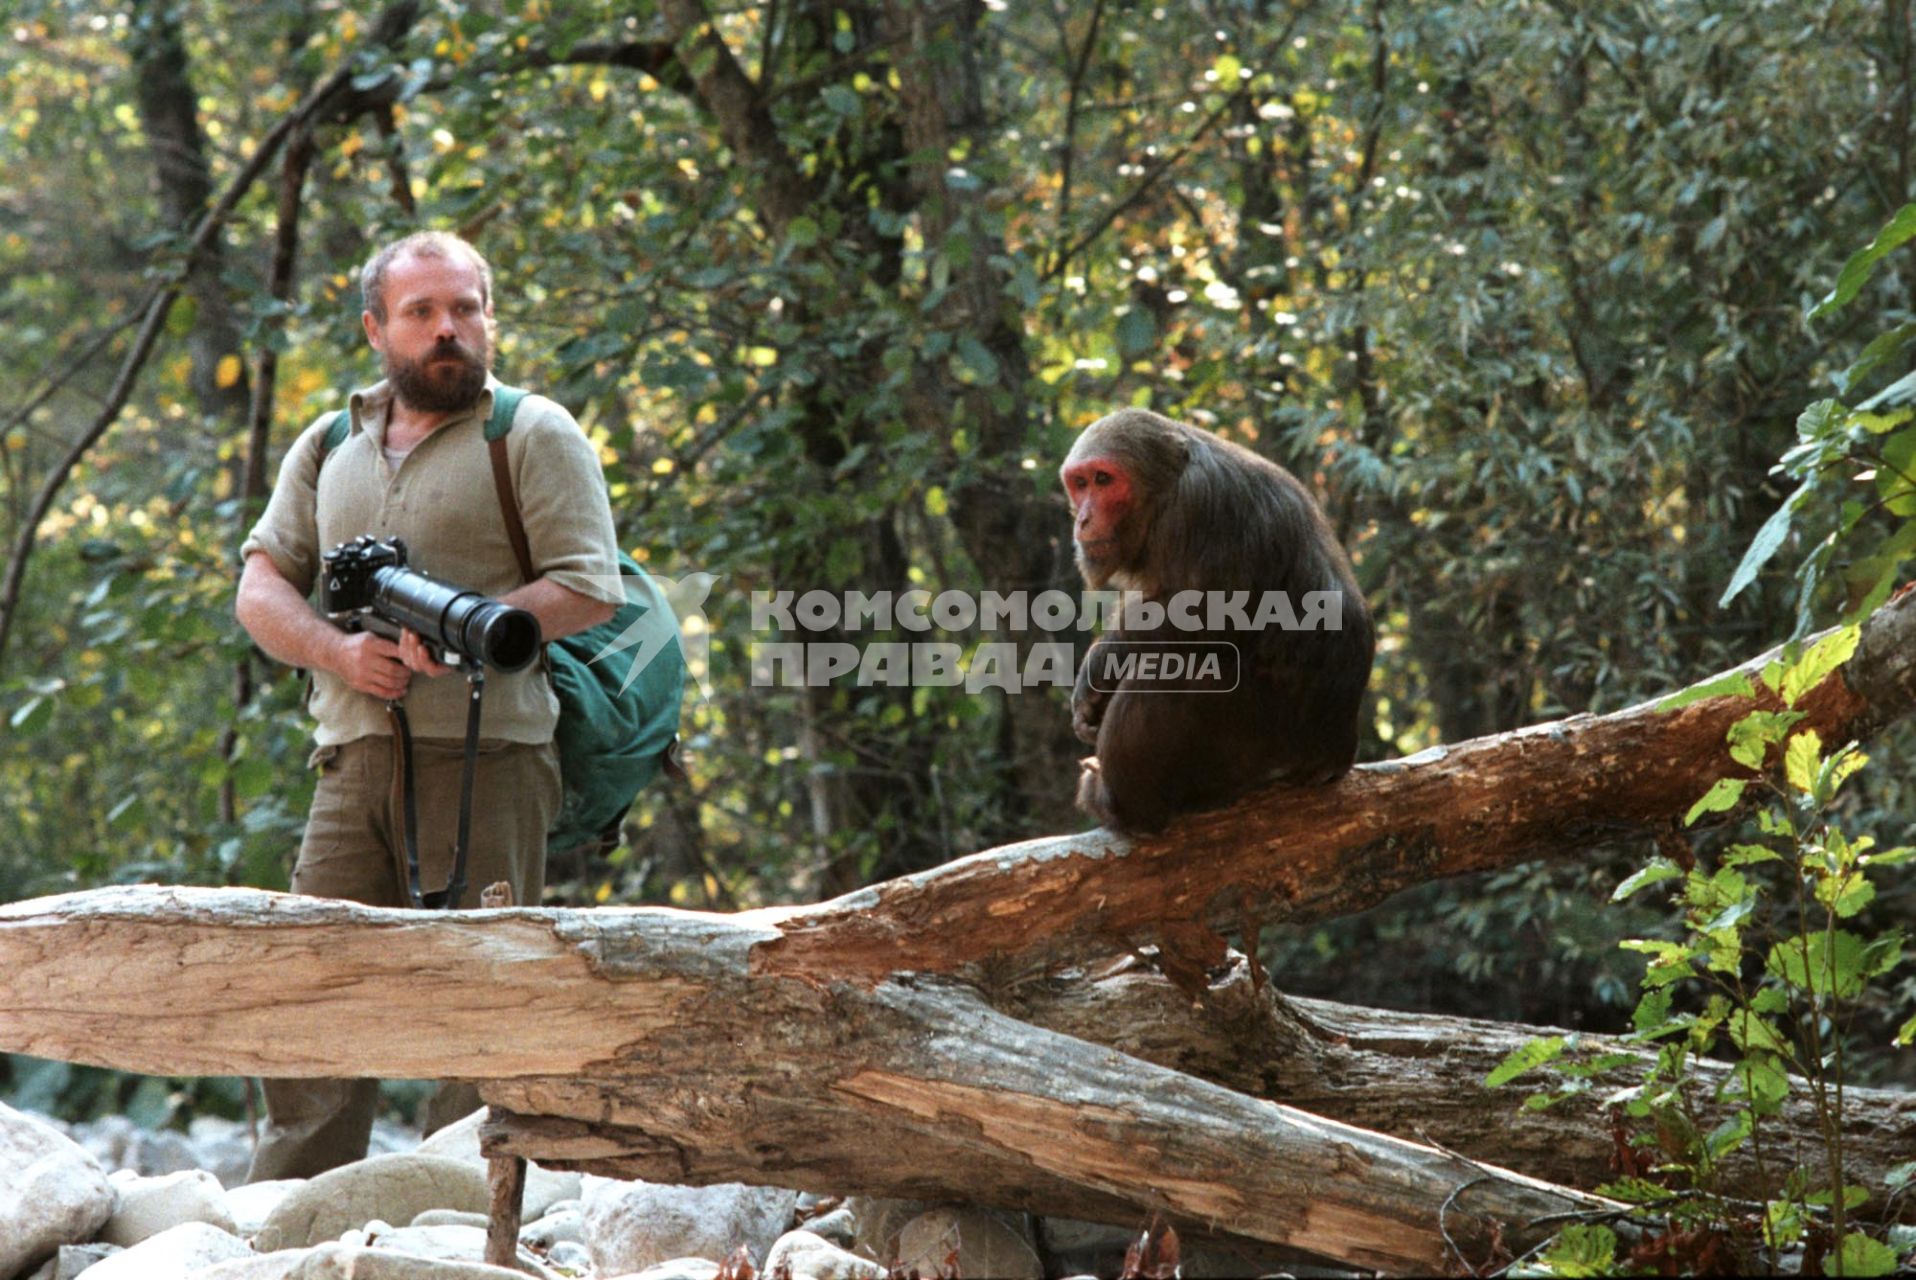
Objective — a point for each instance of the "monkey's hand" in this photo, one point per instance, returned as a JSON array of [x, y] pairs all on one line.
[[1087, 707]]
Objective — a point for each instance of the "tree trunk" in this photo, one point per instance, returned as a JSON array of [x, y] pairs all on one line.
[[169, 112]]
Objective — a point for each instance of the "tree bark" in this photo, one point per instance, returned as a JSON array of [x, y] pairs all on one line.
[[169, 112]]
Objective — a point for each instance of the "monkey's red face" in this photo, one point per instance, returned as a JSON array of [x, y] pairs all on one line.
[[1101, 497]]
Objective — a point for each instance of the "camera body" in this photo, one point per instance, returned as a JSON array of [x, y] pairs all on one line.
[[365, 585]]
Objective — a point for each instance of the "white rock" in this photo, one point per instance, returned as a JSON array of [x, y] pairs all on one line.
[[879, 1222], [447, 1243], [107, 1139], [51, 1192], [567, 1224], [252, 1204], [149, 1206], [153, 1152], [225, 1148], [633, 1225], [339, 1262], [984, 1243], [813, 1257], [451, 1218], [460, 1141], [72, 1260], [174, 1254], [675, 1269], [397, 1188], [840, 1226], [573, 1257]]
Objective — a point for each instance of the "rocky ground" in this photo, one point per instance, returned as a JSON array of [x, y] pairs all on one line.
[[116, 1202]]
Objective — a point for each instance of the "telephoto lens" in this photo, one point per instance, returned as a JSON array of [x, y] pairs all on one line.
[[458, 621]]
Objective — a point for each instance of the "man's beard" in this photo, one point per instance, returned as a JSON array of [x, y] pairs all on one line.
[[432, 387]]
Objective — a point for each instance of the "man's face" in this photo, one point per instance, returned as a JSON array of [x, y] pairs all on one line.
[[436, 341]]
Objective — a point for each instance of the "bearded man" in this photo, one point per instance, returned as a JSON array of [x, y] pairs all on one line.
[[415, 465]]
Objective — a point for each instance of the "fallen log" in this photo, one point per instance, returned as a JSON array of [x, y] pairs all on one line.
[[651, 1048], [1420, 1076], [1288, 855]]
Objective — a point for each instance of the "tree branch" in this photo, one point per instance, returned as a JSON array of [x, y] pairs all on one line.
[[153, 316]]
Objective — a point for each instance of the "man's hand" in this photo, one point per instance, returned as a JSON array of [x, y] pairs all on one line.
[[417, 656], [373, 665]]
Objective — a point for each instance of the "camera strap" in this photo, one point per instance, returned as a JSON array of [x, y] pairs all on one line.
[[446, 899]]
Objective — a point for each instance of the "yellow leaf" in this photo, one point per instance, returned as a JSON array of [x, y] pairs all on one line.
[[228, 372], [1802, 758]]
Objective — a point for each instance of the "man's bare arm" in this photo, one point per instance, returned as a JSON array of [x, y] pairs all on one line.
[[283, 624], [561, 611]]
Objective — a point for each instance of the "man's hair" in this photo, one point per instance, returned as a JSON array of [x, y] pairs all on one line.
[[421, 244]]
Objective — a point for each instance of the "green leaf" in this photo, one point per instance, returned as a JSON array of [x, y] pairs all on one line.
[[1905, 1035], [841, 100], [1883, 349], [32, 715], [1782, 1224], [1822, 660], [1735, 685], [1526, 1057], [1732, 1133], [1751, 737], [1764, 1083], [1636, 1191], [1659, 870], [1837, 770], [1845, 894], [1652, 1011], [1720, 798], [1862, 1256], [1744, 855], [1850, 280], [1854, 1197], [1827, 964], [1137, 333], [977, 358], [1882, 955], [253, 777], [1766, 542], [1896, 477], [1580, 1250], [127, 814], [802, 232], [1753, 1034]]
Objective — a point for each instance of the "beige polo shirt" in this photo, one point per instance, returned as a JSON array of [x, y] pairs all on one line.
[[441, 500]]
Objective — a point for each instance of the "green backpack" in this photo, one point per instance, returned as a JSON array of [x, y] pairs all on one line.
[[617, 729]]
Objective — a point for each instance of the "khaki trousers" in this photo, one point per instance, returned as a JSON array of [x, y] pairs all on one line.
[[354, 849]]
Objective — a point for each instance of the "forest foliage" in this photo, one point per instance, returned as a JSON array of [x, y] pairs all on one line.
[[1519, 287]]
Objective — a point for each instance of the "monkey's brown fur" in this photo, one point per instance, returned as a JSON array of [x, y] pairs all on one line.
[[1162, 508]]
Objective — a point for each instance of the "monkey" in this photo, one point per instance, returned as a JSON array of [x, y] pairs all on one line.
[[1161, 508]]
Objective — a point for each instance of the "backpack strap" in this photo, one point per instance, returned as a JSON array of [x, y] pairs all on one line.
[[336, 434], [505, 403]]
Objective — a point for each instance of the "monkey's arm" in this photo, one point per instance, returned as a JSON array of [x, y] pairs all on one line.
[[1087, 703]]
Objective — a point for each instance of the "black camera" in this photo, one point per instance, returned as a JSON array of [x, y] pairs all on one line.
[[367, 587]]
